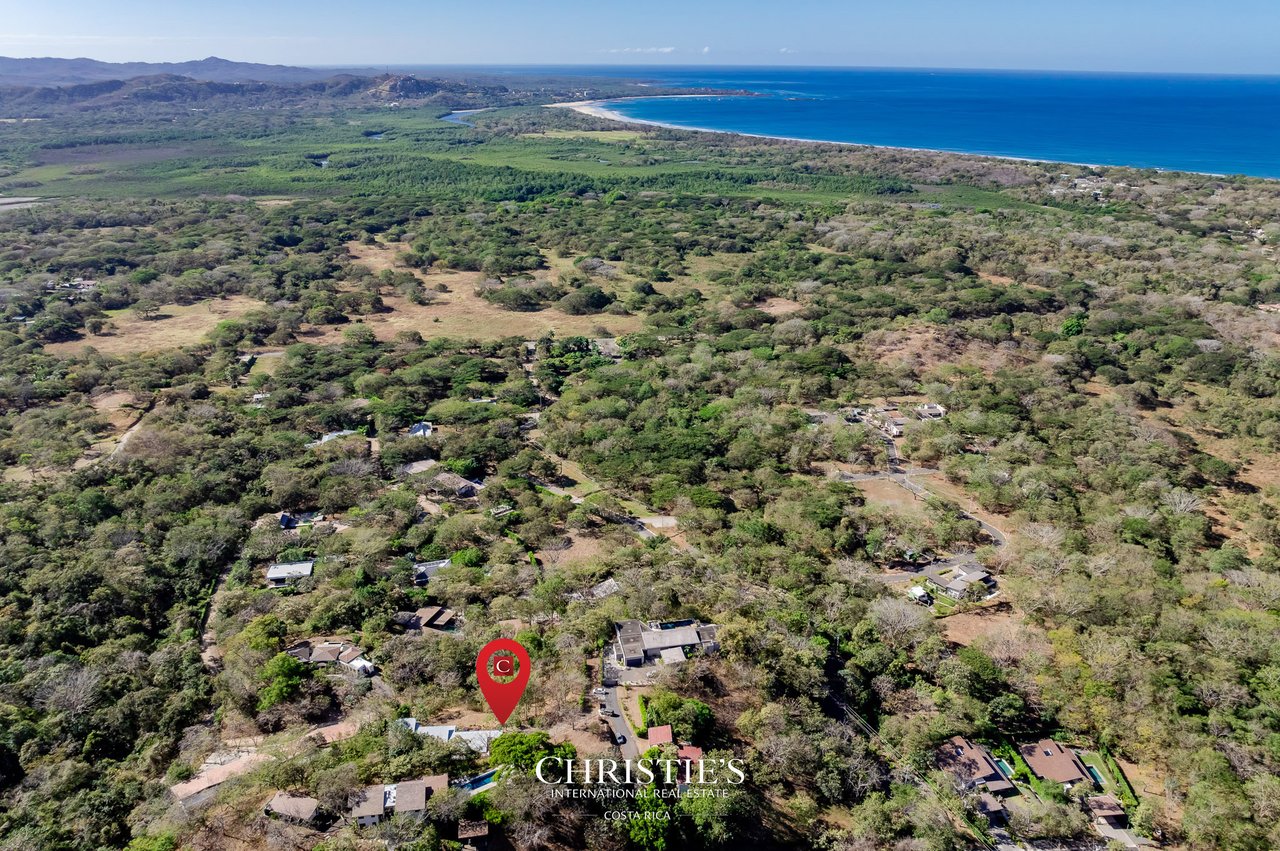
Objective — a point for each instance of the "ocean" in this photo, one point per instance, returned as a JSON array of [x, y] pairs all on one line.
[[1214, 124]]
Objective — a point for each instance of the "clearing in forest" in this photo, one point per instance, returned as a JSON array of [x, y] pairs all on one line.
[[173, 327], [966, 627], [460, 313]]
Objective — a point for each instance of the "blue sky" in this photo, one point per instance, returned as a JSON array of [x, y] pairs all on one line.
[[1116, 35]]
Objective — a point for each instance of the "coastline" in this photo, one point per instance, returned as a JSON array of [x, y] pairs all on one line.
[[597, 109], [600, 109]]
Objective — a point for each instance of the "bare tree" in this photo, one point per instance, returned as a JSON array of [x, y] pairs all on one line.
[[70, 690], [898, 622]]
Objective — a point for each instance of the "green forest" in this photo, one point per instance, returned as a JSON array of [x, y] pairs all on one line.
[[662, 371]]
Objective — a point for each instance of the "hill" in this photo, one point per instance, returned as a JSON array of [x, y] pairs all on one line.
[[50, 71]]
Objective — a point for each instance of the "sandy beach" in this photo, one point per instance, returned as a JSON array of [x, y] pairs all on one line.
[[600, 109]]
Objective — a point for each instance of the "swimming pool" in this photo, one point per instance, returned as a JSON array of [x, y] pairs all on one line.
[[480, 781], [1096, 775], [1004, 767]]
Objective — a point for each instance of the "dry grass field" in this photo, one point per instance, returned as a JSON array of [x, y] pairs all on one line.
[[175, 326], [460, 313]]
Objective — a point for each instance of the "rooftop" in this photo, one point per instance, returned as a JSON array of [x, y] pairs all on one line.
[[1051, 761], [290, 570], [411, 795], [968, 762], [1105, 806], [660, 735], [293, 806], [371, 803]]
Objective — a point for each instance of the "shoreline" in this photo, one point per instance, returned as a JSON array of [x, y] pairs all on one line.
[[600, 109]]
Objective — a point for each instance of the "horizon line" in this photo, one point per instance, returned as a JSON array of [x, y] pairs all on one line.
[[348, 66]]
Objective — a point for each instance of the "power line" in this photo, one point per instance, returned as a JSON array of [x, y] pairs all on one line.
[[900, 761]]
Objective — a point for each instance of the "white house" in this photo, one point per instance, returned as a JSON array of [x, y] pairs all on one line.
[[284, 574]]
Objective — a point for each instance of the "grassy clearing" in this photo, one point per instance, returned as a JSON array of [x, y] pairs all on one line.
[[461, 314], [267, 363], [583, 485], [174, 327]]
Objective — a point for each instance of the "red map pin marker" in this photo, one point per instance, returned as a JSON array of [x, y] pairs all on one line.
[[503, 671]]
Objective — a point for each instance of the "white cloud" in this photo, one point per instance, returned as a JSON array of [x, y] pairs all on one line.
[[641, 50], [706, 50], [785, 50]]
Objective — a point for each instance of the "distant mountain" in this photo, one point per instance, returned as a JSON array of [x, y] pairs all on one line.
[[166, 93], [65, 72]]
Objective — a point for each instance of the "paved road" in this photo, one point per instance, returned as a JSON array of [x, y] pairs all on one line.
[[618, 722]]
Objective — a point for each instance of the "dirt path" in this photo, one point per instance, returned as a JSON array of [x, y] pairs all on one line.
[[210, 653]]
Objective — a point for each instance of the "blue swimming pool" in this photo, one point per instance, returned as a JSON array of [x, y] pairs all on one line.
[[1096, 775], [1004, 767], [472, 784]]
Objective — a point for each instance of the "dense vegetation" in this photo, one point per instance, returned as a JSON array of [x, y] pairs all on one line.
[[1113, 396]]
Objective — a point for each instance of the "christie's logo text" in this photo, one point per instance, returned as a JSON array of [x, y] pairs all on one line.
[[585, 772]]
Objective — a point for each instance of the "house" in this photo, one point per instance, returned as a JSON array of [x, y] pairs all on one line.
[[817, 417], [640, 643], [451, 484], [299, 518], [688, 753], [406, 798], [972, 767], [963, 582], [325, 654], [930, 411], [599, 591], [422, 429], [333, 435], [409, 797], [672, 656], [919, 595], [887, 419], [370, 808], [352, 658], [445, 619], [660, 735], [284, 574], [424, 570], [1106, 811], [993, 808], [333, 652], [1050, 761], [607, 588], [297, 809], [477, 740], [433, 618]]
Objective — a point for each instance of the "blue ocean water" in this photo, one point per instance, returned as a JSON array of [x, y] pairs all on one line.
[[1216, 124]]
